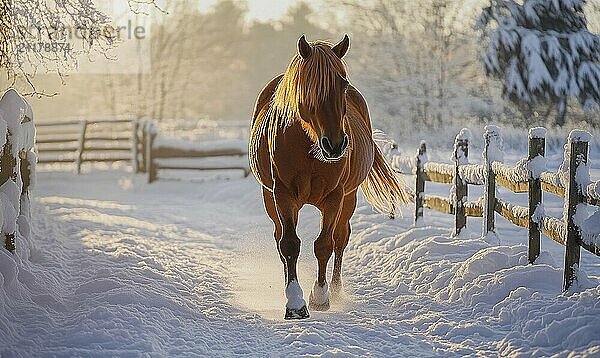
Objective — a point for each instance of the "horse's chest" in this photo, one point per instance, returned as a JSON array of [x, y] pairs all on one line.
[[307, 178]]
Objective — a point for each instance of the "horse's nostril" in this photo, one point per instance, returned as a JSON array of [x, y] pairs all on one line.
[[345, 142], [326, 145]]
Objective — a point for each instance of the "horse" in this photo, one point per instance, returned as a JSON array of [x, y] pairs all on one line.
[[311, 144]]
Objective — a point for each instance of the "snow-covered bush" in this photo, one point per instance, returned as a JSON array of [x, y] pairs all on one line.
[[543, 53]]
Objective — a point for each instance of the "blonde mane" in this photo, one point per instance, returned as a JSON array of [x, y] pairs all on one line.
[[308, 81]]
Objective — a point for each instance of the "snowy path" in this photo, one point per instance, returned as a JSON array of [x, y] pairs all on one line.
[[118, 267]]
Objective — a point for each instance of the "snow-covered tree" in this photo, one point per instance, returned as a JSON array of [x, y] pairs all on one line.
[[543, 53]]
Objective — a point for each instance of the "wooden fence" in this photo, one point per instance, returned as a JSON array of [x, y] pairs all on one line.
[[571, 183], [110, 140], [79, 141], [155, 155]]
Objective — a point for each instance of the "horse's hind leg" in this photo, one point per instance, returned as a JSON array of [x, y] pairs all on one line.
[[330, 212], [340, 241], [289, 249], [272, 212]]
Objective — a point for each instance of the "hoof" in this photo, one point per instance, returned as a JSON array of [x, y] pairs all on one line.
[[336, 286], [318, 306], [296, 313], [337, 291], [319, 297]]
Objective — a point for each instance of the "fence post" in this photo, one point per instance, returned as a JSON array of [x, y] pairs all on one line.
[[150, 167], [491, 151], [143, 145], [460, 156], [578, 145], [8, 164], [135, 165], [420, 181], [81, 145], [537, 145]]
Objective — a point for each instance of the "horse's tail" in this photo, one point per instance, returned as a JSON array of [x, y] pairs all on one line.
[[383, 189]]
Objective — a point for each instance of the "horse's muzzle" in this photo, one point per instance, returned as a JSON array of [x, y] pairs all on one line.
[[332, 150]]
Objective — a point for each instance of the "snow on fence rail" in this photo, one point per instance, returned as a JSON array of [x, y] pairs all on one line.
[[17, 166], [572, 183], [79, 141], [158, 153]]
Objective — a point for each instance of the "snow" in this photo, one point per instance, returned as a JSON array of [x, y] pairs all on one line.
[[31, 157], [518, 173], [543, 51], [537, 132], [404, 164], [517, 210], [472, 173], [592, 190], [116, 267], [464, 134], [537, 166], [192, 268], [220, 162], [442, 168], [582, 176], [458, 155], [399, 162], [553, 224], [493, 151], [18, 131], [523, 169], [235, 145], [3, 130], [550, 177], [578, 135], [9, 199], [493, 155], [588, 224], [388, 146], [14, 110]]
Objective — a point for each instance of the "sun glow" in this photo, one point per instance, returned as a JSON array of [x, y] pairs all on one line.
[[261, 10]]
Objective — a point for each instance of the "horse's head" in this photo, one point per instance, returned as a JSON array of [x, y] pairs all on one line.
[[313, 90], [323, 85]]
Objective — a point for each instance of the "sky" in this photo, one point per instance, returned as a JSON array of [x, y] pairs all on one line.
[[119, 10], [261, 10]]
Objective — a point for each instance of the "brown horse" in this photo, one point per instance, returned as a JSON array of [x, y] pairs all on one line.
[[311, 143]]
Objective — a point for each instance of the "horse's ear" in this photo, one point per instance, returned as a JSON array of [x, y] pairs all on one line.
[[303, 47], [342, 47]]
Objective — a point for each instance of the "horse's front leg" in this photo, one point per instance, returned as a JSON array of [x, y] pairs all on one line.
[[330, 211], [289, 249]]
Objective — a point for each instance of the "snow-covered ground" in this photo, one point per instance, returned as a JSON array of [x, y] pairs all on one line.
[[117, 267]]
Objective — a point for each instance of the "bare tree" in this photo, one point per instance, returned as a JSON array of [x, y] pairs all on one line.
[[418, 59], [49, 36]]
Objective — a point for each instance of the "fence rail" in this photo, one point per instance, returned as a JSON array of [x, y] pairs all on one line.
[[155, 155], [529, 176], [79, 141]]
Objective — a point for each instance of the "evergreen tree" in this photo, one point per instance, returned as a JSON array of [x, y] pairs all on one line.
[[543, 52]]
